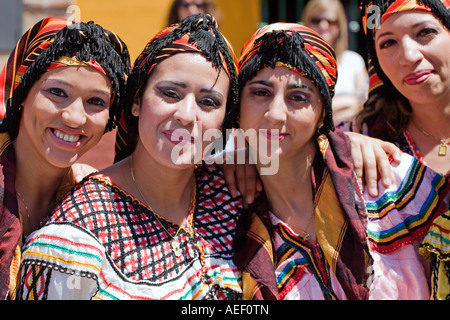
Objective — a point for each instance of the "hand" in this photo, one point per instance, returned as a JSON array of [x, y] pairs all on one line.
[[370, 157], [239, 174], [80, 170]]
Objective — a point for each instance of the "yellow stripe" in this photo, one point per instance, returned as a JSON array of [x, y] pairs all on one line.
[[52, 257]]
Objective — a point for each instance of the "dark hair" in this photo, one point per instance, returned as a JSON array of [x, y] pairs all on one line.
[[85, 41]]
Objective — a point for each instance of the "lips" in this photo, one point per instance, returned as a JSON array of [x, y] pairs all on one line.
[[275, 135], [417, 77], [177, 136], [66, 137]]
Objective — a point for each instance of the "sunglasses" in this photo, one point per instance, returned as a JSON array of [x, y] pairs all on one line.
[[318, 20], [186, 5]]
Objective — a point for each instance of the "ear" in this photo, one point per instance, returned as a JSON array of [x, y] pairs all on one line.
[[136, 107]]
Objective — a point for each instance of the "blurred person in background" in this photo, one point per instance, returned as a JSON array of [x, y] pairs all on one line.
[[180, 9], [328, 19]]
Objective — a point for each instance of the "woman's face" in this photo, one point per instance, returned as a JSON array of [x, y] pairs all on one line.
[[185, 98], [189, 7], [413, 50], [284, 108], [65, 114], [326, 24]]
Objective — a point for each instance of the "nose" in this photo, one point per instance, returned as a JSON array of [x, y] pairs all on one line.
[[74, 114], [185, 112], [277, 111], [410, 52]]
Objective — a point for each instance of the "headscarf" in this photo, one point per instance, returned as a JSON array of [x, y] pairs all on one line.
[[304, 51], [375, 12], [297, 47], [197, 33], [53, 43]]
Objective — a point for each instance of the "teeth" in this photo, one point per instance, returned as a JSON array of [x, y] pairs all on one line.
[[66, 137]]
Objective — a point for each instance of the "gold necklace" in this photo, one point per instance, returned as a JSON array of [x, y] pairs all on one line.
[[443, 144], [26, 208], [175, 245]]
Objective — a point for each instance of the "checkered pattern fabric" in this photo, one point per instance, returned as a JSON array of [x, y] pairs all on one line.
[[135, 240]]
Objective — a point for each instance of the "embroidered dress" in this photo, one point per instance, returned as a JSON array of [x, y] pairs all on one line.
[[104, 244], [302, 271], [397, 222]]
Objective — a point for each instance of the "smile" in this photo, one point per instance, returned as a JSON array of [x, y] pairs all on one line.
[[179, 136], [66, 137]]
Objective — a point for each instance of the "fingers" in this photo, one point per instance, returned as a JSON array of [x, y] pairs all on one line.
[[370, 169], [371, 161], [229, 170]]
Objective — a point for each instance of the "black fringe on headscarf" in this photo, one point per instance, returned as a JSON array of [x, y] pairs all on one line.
[[85, 41], [280, 46], [202, 31]]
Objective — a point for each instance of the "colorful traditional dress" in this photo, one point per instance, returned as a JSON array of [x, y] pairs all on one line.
[[102, 243], [366, 248]]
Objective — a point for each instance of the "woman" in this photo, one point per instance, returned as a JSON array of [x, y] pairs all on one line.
[[409, 99], [154, 225], [181, 9], [311, 234], [59, 93], [328, 19]]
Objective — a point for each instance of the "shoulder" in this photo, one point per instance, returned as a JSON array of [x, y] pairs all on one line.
[[88, 201], [66, 248]]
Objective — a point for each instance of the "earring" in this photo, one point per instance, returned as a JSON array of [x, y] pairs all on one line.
[[135, 111]]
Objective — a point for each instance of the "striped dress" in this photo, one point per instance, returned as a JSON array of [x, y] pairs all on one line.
[[102, 243], [397, 221]]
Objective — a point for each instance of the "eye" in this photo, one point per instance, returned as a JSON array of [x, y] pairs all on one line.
[[387, 44], [169, 92], [98, 102], [210, 102], [299, 97], [57, 92], [427, 32], [260, 92]]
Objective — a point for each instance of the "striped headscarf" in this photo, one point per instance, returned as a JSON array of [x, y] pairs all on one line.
[[375, 12], [53, 43], [300, 49], [197, 33]]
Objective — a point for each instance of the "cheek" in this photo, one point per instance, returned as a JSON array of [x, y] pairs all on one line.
[[99, 121], [248, 114]]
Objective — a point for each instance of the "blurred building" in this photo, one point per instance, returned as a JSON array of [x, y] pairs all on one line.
[[136, 21]]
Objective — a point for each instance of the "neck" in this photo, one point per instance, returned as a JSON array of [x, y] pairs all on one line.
[[289, 191], [433, 118], [168, 192], [37, 183]]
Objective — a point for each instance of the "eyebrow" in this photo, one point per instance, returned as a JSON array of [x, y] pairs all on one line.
[[184, 86], [63, 82], [290, 86], [415, 25]]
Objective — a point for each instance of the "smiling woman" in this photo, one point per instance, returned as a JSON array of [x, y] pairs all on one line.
[[59, 93], [154, 227]]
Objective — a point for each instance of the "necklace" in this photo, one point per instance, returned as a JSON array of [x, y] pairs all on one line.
[[26, 207], [175, 245], [443, 144]]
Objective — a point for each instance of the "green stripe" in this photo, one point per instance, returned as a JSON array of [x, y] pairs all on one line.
[[54, 246]]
